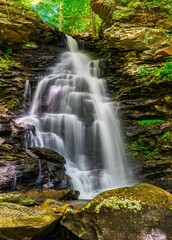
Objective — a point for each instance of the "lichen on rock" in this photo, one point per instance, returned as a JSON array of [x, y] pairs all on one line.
[[125, 213], [118, 204]]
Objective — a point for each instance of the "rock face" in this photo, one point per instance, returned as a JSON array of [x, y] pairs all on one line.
[[20, 26], [140, 212], [136, 42], [133, 41], [33, 168], [27, 48]]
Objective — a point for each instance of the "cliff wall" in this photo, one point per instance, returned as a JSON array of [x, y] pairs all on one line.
[[136, 41]]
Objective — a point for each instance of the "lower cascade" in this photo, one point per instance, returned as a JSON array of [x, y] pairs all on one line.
[[73, 115]]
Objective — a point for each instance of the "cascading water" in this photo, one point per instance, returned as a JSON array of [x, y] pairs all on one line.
[[73, 116]]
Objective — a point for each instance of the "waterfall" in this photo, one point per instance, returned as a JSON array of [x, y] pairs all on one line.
[[27, 91], [73, 115]]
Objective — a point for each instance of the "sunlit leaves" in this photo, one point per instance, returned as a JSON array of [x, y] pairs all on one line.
[[76, 15], [49, 11]]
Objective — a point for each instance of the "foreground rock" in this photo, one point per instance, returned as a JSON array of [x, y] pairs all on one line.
[[22, 223], [134, 213], [34, 214], [38, 196]]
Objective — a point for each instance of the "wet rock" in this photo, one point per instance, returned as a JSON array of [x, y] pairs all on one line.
[[29, 169], [34, 47], [139, 212], [134, 39]]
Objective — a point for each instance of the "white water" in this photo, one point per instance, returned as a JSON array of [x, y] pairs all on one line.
[[27, 91], [73, 115]]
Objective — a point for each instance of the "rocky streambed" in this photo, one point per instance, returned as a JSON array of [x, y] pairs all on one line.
[[140, 212]]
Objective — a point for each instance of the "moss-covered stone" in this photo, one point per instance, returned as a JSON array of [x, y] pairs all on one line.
[[129, 213], [24, 223]]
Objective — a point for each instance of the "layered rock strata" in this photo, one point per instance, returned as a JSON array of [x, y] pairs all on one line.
[[136, 42]]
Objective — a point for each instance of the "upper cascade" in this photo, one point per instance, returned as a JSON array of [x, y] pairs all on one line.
[[72, 44]]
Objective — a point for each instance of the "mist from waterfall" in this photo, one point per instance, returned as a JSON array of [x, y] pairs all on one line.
[[73, 115]]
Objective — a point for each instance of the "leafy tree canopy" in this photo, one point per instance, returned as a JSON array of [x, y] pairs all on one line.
[[71, 16]]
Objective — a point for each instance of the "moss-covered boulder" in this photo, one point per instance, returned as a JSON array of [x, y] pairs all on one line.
[[24, 223], [35, 214], [38, 196], [134, 213]]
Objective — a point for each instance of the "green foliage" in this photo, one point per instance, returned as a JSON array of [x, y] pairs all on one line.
[[27, 3], [8, 53], [4, 65], [49, 11], [14, 102], [157, 74], [77, 16], [140, 148], [130, 7], [150, 121], [16, 198], [166, 135], [6, 61], [164, 5]]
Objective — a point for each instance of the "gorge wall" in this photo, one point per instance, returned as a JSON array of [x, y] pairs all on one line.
[[136, 42], [27, 48]]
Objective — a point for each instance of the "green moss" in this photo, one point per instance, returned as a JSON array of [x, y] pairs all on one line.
[[2, 83], [7, 64], [26, 202], [16, 198], [6, 61], [131, 198], [166, 135], [150, 121], [142, 148], [157, 74], [122, 12], [14, 102], [163, 8]]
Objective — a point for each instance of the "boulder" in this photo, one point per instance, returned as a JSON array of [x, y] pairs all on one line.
[[38, 196], [137, 213], [25, 223]]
